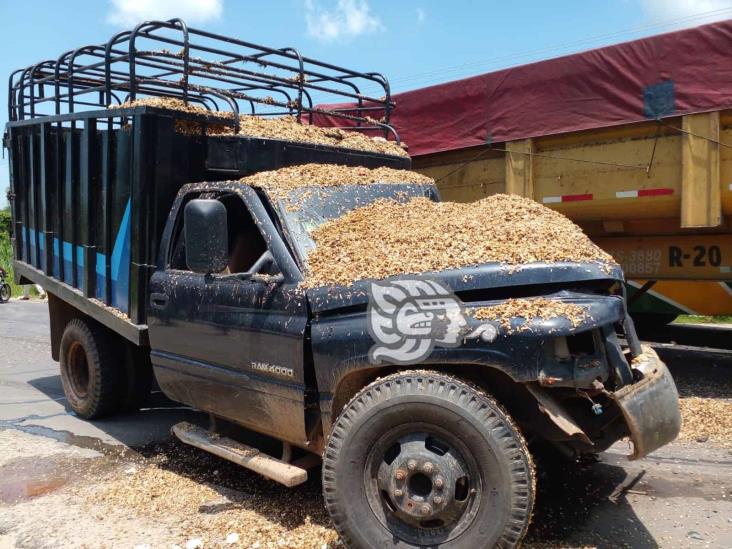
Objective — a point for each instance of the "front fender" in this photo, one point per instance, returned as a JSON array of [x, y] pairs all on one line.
[[341, 345], [341, 342]]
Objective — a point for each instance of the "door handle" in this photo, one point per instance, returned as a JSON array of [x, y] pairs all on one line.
[[159, 301]]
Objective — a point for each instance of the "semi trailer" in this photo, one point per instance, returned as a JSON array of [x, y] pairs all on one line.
[[632, 141]]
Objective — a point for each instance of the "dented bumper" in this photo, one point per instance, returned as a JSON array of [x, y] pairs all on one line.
[[650, 406]]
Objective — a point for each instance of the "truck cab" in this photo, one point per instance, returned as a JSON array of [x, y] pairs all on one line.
[[235, 332]]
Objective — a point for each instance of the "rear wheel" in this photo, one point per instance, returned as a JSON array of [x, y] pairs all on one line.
[[90, 373], [422, 459], [4, 292]]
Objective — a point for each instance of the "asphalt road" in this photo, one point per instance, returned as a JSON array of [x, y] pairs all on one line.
[[681, 496], [32, 399]]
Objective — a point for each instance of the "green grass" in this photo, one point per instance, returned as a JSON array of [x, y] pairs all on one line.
[[698, 319], [6, 262], [6, 255]]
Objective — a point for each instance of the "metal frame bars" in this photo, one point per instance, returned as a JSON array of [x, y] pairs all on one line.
[[170, 59]]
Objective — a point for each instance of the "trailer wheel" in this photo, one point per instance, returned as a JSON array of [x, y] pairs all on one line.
[[89, 371], [422, 459]]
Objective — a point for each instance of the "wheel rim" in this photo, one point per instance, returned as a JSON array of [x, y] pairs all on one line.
[[4, 292], [78, 370], [423, 484]]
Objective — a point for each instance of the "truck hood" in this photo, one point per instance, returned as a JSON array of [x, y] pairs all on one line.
[[485, 276]]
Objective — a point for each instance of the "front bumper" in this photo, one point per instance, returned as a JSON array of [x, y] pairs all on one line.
[[650, 406]]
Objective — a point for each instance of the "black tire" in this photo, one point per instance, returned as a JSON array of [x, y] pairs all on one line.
[[138, 377], [4, 292], [417, 425], [90, 371]]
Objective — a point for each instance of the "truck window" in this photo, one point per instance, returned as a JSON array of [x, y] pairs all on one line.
[[246, 243]]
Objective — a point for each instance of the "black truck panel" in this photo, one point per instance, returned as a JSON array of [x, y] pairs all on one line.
[[90, 204], [234, 346], [217, 343]]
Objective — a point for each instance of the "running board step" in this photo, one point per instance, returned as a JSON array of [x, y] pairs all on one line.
[[241, 454]]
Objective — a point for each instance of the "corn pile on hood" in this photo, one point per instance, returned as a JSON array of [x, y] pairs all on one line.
[[389, 238]]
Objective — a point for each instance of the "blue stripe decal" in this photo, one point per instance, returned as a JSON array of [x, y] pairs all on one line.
[[42, 247], [120, 261], [56, 258], [101, 275], [80, 270], [68, 256]]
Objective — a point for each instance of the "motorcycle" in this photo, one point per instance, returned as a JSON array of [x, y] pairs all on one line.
[[4, 288]]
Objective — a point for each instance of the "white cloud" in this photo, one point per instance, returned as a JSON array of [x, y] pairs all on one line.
[[128, 13], [421, 16], [688, 12], [346, 20]]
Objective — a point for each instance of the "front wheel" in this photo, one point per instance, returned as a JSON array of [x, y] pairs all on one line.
[[4, 292], [422, 459]]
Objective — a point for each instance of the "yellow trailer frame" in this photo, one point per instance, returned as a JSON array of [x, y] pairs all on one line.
[[656, 195]]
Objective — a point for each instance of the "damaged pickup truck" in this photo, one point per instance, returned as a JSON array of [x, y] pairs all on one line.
[[397, 380], [422, 349]]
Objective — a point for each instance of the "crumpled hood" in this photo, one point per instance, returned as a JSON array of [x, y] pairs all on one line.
[[493, 275], [599, 310]]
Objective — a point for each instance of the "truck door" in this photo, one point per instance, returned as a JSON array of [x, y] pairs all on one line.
[[234, 348]]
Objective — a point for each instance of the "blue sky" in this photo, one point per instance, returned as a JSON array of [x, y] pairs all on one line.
[[413, 42]]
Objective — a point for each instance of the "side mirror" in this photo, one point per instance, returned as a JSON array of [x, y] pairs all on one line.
[[207, 236]]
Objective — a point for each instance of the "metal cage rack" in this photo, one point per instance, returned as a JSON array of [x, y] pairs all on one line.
[[219, 73]]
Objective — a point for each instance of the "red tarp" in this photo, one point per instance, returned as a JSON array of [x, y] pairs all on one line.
[[666, 75]]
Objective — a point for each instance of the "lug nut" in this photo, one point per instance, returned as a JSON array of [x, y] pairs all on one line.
[[398, 493], [426, 509], [400, 474], [412, 464], [437, 500], [427, 468], [439, 483]]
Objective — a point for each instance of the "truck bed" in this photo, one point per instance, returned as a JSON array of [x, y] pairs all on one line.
[[92, 191]]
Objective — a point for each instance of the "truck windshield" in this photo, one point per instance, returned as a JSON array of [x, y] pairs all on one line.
[[304, 209]]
